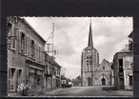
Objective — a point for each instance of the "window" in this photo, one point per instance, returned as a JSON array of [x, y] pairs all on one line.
[[32, 48], [103, 67], [9, 27], [130, 80], [11, 72], [22, 42], [14, 43], [91, 62], [103, 81], [87, 62], [11, 37], [38, 81], [19, 72], [89, 81], [120, 64]]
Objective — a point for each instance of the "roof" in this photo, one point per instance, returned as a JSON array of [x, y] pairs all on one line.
[[105, 61], [131, 35], [126, 49], [23, 20], [90, 39], [123, 53]]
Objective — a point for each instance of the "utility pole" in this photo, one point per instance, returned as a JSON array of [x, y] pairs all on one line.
[[50, 45]]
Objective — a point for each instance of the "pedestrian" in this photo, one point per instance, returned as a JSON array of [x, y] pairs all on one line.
[[23, 89]]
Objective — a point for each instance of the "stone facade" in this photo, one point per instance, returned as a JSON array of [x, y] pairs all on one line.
[[93, 74], [25, 55], [27, 61], [123, 67], [104, 74], [123, 70], [89, 62], [89, 66], [52, 73]]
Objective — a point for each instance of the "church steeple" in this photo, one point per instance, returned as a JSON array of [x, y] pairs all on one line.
[[90, 38]]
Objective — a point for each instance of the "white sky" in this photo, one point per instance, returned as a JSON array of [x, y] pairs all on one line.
[[110, 34]]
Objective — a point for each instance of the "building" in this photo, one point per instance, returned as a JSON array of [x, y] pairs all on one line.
[[28, 62], [104, 74], [89, 62], [93, 73], [131, 43], [123, 68], [56, 75], [77, 81], [52, 77], [25, 55]]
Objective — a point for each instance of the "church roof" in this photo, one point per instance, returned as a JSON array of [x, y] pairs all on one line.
[[104, 60], [90, 39]]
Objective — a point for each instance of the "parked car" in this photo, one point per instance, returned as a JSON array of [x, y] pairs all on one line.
[[66, 84], [69, 84]]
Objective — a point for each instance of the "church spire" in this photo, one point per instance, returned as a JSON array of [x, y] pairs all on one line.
[[90, 39]]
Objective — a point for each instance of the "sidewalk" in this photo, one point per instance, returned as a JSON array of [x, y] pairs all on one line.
[[36, 92], [43, 92]]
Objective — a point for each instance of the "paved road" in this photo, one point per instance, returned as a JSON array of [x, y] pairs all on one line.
[[87, 91]]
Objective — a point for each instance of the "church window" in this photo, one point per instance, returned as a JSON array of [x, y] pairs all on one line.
[[90, 62], [103, 67]]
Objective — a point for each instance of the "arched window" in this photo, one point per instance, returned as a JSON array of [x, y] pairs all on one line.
[[103, 81]]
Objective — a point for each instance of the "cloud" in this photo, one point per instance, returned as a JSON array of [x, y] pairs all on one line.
[[63, 43], [110, 34]]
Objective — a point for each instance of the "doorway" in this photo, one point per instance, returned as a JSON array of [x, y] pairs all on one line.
[[103, 81]]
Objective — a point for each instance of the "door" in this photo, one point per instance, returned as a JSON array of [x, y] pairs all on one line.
[[103, 81]]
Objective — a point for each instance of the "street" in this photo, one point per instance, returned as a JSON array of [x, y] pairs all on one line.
[[87, 91]]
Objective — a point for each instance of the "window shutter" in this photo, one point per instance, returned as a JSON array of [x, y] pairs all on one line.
[[28, 46], [38, 53], [28, 43], [19, 42], [25, 45]]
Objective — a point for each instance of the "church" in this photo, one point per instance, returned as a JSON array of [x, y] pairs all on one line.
[[93, 73]]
